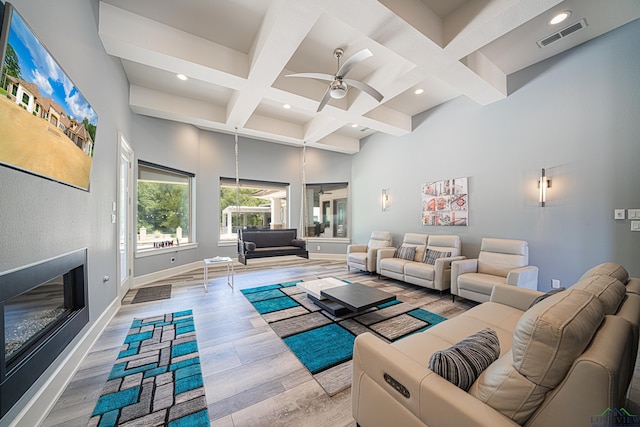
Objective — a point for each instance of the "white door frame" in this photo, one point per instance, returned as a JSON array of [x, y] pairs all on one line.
[[125, 216]]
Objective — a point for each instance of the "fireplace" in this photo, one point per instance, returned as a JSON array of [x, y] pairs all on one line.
[[43, 306]]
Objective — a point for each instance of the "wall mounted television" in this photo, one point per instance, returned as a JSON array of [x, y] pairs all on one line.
[[47, 127]]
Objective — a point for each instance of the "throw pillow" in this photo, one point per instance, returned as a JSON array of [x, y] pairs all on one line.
[[430, 256], [545, 296], [405, 252], [464, 362]]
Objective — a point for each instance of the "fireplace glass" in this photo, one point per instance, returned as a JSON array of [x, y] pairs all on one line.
[[29, 316]]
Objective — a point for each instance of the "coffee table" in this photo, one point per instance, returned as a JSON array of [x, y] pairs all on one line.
[[340, 298]]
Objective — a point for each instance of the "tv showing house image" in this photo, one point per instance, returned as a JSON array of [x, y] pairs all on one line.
[[47, 127]]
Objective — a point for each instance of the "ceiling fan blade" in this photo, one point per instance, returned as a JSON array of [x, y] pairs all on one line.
[[353, 61], [365, 88], [325, 99], [319, 76]]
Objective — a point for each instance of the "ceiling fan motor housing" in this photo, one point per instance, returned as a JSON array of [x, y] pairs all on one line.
[[338, 89]]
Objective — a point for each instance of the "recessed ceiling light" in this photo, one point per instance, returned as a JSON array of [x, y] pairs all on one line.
[[181, 76], [355, 125], [286, 106], [560, 17], [419, 91]]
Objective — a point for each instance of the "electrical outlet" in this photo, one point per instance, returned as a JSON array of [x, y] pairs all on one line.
[[618, 213], [318, 248], [635, 225], [555, 283]]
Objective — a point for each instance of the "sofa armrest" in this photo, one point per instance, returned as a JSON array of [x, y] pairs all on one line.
[[382, 254], [442, 272], [299, 243], [431, 398], [356, 248], [372, 259], [524, 277], [520, 298], [461, 267]]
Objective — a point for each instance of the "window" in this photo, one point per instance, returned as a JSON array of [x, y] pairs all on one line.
[[164, 207], [326, 212], [25, 98], [262, 205]]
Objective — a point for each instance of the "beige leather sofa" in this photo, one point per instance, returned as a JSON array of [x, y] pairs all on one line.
[[499, 261], [433, 276], [563, 361], [364, 257]]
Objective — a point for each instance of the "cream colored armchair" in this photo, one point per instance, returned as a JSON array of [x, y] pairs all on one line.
[[501, 261], [365, 257]]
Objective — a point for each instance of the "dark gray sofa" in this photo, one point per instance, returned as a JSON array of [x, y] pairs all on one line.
[[267, 243]]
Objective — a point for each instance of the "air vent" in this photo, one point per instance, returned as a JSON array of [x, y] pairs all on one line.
[[364, 129], [563, 33]]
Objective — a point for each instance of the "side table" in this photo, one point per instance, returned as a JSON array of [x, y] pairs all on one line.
[[218, 260]]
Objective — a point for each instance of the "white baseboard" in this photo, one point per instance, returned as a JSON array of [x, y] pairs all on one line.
[[164, 274], [38, 407]]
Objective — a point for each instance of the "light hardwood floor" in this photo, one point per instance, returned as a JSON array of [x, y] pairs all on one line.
[[250, 377]]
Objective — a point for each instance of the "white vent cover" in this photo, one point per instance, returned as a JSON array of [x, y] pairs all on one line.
[[581, 24]]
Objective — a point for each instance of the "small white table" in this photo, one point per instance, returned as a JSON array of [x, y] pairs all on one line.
[[218, 260]]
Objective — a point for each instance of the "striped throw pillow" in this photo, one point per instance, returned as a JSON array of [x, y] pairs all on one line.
[[405, 252], [430, 256], [464, 362]]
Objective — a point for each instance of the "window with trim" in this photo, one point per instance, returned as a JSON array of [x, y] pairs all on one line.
[[326, 210], [252, 204], [165, 206]]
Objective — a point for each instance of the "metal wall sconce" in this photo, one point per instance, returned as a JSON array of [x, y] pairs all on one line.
[[543, 184], [386, 201]]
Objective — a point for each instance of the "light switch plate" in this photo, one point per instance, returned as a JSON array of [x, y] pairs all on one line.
[[635, 225], [634, 213], [618, 214]]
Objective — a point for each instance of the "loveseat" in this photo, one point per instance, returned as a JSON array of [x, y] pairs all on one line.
[[430, 265], [268, 243], [563, 360]]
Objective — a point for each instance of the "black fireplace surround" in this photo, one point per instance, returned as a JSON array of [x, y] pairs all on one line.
[[43, 307]]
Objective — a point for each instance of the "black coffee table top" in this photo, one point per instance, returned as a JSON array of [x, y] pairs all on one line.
[[357, 297]]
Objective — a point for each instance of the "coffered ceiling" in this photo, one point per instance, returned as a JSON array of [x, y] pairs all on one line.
[[236, 55]]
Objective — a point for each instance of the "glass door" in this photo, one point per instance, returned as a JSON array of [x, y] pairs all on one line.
[[125, 216]]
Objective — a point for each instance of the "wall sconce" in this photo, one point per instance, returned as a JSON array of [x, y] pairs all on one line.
[[386, 201], [543, 184]]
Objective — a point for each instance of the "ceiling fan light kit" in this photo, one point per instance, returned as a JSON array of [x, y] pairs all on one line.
[[338, 87]]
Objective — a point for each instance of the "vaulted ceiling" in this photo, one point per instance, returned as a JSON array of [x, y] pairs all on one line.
[[236, 55]]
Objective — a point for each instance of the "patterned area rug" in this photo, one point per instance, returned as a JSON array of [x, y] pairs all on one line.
[[152, 293], [323, 342], [156, 380]]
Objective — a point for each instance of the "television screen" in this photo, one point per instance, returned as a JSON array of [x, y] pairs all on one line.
[[47, 127]]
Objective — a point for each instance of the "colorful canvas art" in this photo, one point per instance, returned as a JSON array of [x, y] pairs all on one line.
[[445, 202]]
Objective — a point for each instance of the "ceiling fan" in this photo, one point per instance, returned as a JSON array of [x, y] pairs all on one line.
[[338, 87]]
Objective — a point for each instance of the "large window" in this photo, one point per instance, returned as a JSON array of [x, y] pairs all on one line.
[[326, 210], [252, 204], [164, 207]]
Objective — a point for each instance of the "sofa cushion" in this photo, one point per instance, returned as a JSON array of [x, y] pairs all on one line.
[[462, 363], [419, 269], [405, 252], [609, 290], [608, 269], [430, 256], [547, 339], [395, 265], [551, 334], [478, 282]]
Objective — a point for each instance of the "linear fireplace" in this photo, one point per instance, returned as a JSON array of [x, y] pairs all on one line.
[[43, 306]]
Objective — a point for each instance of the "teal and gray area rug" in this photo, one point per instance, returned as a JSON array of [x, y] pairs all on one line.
[[324, 343], [156, 379]]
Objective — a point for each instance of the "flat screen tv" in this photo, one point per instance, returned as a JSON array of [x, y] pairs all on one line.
[[47, 127]]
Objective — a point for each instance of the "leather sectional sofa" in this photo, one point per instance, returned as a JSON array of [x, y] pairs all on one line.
[[434, 274], [562, 361]]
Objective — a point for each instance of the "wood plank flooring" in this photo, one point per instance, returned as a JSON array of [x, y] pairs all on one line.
[[250, 376]]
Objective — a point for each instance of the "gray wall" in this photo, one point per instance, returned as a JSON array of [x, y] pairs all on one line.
[[41, 219], [211, 155], [575, 115]]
